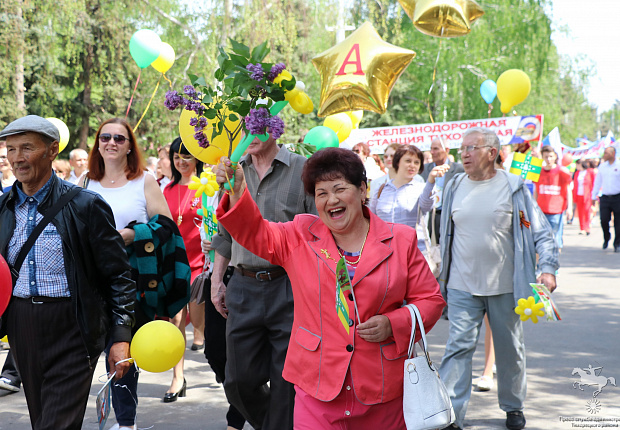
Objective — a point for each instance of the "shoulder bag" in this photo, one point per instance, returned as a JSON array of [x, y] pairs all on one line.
[[426, 403], [433, 249]]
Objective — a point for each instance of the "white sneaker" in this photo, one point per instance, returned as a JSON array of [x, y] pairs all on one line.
[[7, 384], [117, 427], [485, 383]]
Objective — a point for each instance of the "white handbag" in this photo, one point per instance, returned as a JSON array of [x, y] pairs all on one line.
[[426, 403], [433, 250]]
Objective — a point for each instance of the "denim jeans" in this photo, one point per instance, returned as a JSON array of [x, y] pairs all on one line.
[[466, 313], [557, 227]]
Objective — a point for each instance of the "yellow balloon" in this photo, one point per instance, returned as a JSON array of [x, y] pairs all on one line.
[[356, 117], [164, 62], [63, 130], [302, 103], [5, 339], [157, 346], [341, 124], [513, 87], [359, 72], [217, 148], [442, 18]]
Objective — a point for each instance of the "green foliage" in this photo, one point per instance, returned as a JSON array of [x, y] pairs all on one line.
[[77, 66]]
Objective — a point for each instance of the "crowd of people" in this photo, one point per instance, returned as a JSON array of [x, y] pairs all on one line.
[[127, 246]]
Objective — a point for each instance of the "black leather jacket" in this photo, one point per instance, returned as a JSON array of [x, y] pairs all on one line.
[[98, 272]]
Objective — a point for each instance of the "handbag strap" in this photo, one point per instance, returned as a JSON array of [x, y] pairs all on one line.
[[49, 214], [415, 316]]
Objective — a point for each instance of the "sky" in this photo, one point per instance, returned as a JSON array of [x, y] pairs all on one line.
[[593, 31]]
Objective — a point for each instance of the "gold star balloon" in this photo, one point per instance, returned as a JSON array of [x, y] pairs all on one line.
[[442, 18], [359, 72]]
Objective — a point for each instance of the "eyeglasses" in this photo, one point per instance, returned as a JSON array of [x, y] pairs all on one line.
[[118, 138], [471, 148]]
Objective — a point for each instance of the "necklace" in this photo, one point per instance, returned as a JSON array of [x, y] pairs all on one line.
[[361, 249], [113, 181], [182, 209]]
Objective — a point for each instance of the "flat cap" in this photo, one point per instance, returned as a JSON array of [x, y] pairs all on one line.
[[31, 124]]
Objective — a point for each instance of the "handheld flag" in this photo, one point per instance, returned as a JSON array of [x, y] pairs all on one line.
[[526, 166]]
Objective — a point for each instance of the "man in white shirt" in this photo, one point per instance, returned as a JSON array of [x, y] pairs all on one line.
[[608, 183], [78, 158]]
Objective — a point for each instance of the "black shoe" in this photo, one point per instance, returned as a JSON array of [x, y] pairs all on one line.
[[515, 420], [605, 243], [172, 397], [9, 385], [452, 427], [196, 347]]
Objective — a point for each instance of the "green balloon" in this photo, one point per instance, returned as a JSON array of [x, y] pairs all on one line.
[[322, 137], [144, 47]]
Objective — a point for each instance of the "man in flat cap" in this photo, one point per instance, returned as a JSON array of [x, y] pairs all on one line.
[[73, 291]]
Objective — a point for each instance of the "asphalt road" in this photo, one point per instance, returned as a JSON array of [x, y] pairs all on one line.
[[588, 298]]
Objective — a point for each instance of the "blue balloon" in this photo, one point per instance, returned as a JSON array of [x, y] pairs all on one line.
[[488, 91]]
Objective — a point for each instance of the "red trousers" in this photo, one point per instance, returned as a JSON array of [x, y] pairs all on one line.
[[345, 412], [584, 206]]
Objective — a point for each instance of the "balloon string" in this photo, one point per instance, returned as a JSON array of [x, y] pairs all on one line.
[[490, 109], [148, 105], [132, 94], [166, 78], [430, 90]]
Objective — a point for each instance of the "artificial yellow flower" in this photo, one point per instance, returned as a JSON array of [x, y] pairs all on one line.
[[205, 184], [528, 308]]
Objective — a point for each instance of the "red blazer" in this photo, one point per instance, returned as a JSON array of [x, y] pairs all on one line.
[[392, 270], [588, 182]]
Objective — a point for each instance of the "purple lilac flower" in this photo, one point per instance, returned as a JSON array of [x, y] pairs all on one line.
[[256, 70], [276, 127], [258, 120], [193, 122], [203, 142], [173, 100], [276, 69], [190, 91]]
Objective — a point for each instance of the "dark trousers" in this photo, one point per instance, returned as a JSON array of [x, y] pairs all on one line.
[[257, 334], [215, 347], [54, 363], [9, 370], [125, 390], [608, 205], [434, 227]]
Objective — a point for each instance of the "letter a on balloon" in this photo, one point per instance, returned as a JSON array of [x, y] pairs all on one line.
[[359, 72], [358, 62]]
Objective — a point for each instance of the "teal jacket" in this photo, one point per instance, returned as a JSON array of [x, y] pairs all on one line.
[[160, 267], [531, 232]]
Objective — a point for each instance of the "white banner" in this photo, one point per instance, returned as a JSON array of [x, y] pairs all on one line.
[[510, 130]]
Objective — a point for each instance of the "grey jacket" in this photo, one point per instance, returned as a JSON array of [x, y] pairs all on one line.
[[528, 240]]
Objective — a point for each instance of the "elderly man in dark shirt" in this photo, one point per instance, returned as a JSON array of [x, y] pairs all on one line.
[[259, 300], [74, 290]]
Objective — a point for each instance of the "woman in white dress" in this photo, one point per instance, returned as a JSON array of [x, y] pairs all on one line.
[[117, 171]]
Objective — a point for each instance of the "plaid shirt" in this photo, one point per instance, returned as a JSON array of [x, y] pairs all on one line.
[[43, 272], [279, 196]]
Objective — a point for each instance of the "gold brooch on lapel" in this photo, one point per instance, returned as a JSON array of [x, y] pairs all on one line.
[[326, 254]]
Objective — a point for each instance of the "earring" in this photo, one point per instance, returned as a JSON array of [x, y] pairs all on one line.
[[128, 151]]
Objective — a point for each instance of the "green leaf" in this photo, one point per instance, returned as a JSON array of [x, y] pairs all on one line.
[[192, 78], [219, 75], [207, 98], [260, 52], [239, 60], [233, 117], [240, 48], [218, 106], [200, 81], [244, 108], [210, 113]]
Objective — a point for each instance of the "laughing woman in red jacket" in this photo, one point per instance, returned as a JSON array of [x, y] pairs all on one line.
[[346, 371]]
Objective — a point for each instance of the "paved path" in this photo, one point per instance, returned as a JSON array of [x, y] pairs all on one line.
[[588, 298]]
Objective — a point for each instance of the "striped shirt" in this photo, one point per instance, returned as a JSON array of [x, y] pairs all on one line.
[[43, 271], [279, 196]]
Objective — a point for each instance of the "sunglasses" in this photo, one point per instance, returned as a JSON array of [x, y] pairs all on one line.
[[118, 138]]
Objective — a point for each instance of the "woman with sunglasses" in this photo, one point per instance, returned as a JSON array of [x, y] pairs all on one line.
[[184, 206], [117, 171]]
